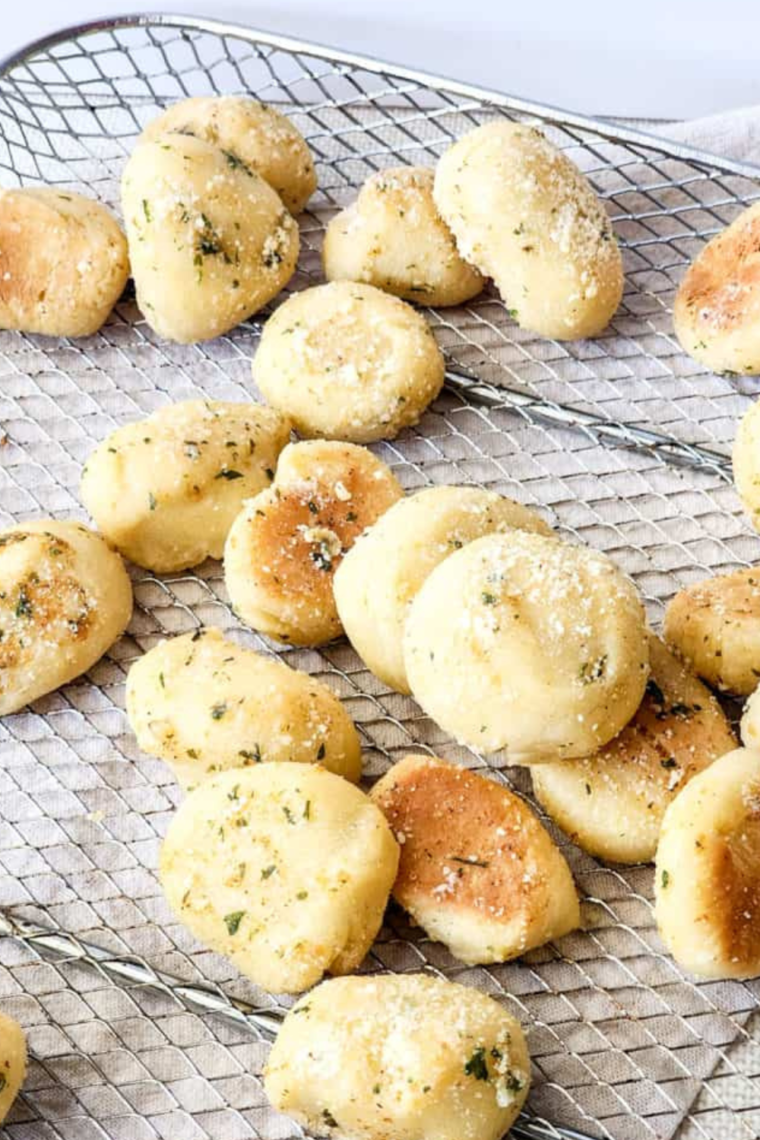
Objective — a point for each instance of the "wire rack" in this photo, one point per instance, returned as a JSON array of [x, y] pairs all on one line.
[[621, 442]]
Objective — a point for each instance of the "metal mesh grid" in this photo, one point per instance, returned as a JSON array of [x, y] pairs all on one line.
[[625, 1046]]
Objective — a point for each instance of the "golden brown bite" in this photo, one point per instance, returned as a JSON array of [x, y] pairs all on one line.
[[477, 871], [286, 544]]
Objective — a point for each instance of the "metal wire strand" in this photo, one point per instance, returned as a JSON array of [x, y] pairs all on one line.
[[61, 946]]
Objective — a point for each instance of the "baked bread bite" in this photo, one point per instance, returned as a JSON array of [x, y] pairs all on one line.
[[612, 803], [165, 490], [525, 215], [286, 544], [477, 870], [707, 878], [252, 135], [205, 704], [393, 237], [716, 314], [528, 644], [210, 241], [399, 1057], [347, 361], [378, 578], [65, 599], [12, 1063], [63, 262], [714, 626], [284, 868]]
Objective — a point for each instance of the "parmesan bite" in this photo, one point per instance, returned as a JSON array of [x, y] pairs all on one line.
[[526, 643], [717, 307], [347, 361], [63, 262], [65, 599], [393, 237], [165, 490], [204, 704], [399, 1057], [524, 214], [286, 544], [284, 868], [12, 1063], [252, 135], [477, 871], [707, 879], [210, 241], [381, 574], [612, 803], [714, 625]]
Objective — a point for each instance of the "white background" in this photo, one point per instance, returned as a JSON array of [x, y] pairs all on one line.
[[640, 58]]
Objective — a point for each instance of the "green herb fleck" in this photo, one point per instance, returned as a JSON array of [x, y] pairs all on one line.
[[253, 754], [236, 162], [664, 879], [24, 604], [591, 671], [476, 1066], [152, 504], [218, 711], [267, 872], [232, 921], [488, 599], [146, 209]]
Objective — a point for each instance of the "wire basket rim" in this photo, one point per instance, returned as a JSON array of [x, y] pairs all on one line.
[[558, 115]]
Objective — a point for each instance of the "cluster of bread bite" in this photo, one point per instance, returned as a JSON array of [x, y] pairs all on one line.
[[511, 639]]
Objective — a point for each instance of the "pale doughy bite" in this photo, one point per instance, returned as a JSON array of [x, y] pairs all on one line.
[[252, 135], [166, 490], [714, 625], [612, 803], [210, 242], [12, 1063], [378, 578], [347, 361], [399, 1057], [284, 868], [65, 599], [750, 723], [63, 262], [526, 216], [707, 879], [205, 704], [393, 237], [286, 544], [477, 871], [716, 313], [746, 459], [529, 644]]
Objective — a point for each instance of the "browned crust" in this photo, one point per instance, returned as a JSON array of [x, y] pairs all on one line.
[[303, 533], [734, 893], [465, 841], [720, 288], [36, 602]]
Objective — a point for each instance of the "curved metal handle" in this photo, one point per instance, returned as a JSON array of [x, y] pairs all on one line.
[[665, 447]]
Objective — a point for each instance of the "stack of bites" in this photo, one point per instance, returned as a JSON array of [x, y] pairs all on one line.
[[511, 639]]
